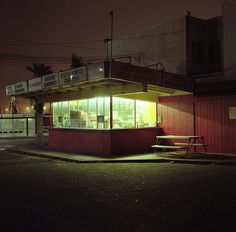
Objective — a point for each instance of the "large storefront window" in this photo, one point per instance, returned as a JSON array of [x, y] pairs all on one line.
[[56, 113], [74, 114], [107, 113], [145, 114], [94, 113], [123, 113], [83, 113]]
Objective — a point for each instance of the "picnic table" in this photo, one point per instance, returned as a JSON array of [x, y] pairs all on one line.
[[189, 142]]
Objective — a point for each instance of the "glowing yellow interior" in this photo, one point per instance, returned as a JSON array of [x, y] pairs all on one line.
[[96, 113]]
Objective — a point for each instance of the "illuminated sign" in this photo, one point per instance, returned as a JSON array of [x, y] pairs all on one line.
[[50, 80], [73, 76], [35, 84], [20, 88], [95, 71], [9, 90]]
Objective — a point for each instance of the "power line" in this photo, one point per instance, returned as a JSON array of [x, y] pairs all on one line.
[[24, 42], [20, 59], [40, 42], [139, 35], [29, 56], [69, 44]]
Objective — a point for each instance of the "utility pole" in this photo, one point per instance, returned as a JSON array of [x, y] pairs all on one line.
[[106, 40], [111, 14]]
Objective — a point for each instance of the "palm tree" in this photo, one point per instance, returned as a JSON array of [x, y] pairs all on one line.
[[39, 69], [76, 61]]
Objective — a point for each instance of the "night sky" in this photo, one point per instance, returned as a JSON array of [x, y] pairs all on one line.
[[55, 29]]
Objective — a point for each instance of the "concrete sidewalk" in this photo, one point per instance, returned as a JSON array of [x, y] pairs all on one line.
[[167, 157]]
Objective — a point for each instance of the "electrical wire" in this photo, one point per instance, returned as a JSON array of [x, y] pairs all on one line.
[[19, 59], [40, 42]]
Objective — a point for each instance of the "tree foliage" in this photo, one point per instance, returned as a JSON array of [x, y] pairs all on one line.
[[39, 69], [76, 61]]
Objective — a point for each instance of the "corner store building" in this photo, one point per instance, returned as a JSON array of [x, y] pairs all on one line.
[[99, 109], [199, 56]]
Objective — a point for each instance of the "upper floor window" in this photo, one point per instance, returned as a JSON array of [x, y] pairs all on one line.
[[197, 52], [214, 54]]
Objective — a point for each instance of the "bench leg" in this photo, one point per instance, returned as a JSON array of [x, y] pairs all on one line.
[[187, 153]]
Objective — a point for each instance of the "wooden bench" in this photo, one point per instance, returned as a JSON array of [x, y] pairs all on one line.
[[192, 144], [168, 146]]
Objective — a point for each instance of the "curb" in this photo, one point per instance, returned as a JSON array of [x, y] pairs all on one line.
[[158, 160]]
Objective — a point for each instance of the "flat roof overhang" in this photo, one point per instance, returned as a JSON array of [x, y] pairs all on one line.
[[121, 80], [103, 88]]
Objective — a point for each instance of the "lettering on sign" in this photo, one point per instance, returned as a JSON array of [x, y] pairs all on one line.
[[72, 76], [20, 88], [50, 80]]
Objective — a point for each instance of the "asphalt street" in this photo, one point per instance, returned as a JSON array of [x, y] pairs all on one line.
[[39, 194]]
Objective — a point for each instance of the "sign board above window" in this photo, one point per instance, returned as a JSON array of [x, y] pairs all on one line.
[[9, 90], [50, 80], [232, 112], [73, 76], [35, 84], [20, 88], [96, 71]]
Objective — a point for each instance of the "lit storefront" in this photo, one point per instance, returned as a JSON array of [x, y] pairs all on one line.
[[95, 113], [107, 108]]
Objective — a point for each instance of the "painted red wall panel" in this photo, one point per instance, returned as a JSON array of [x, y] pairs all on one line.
[[80, 141], [211, 119], [103, 142], [176, 114], [133, 140]]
